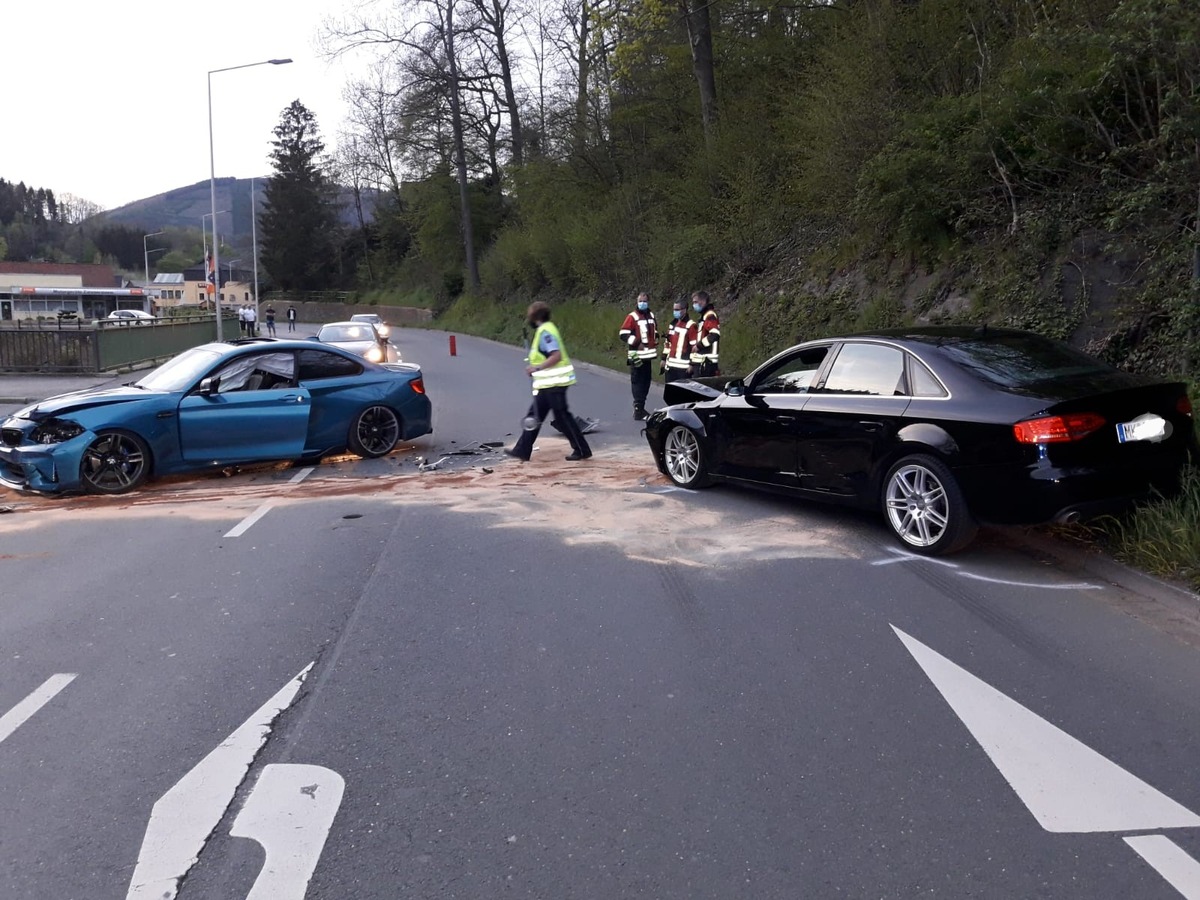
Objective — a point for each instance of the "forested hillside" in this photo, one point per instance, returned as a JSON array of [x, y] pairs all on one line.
[[817, 165]]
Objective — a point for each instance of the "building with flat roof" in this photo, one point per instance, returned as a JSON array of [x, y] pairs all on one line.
[[32, 290]]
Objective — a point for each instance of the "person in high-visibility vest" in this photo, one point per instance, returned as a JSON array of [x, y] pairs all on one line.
[[705, 358], [639, 334], [551, 371]]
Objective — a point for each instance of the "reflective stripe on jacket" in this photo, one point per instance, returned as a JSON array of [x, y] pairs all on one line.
[[707, 339], [639, 332], [677, 351], [562, 373]]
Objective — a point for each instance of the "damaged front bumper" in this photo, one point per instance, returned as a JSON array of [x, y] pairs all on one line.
[[49, 468]]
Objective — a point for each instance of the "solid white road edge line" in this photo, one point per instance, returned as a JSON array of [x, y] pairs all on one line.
[[23, 711], [289, 813], [185, 816], [1170, 861], [243, 526]]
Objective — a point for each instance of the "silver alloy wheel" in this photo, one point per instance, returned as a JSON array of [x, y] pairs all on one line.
[[114, 463], [917, 505], [377, 430], [681, 454]]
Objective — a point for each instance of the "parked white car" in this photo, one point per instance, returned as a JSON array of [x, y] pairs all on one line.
[[131, 317]]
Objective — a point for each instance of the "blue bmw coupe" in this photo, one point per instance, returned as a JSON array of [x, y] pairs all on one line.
[[213, 406]]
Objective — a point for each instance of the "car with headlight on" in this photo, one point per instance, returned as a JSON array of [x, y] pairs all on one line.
[[362, 338], [213, 406], [938, 429], [384, 329]]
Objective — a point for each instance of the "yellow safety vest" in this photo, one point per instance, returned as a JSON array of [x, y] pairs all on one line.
[[562, 373]]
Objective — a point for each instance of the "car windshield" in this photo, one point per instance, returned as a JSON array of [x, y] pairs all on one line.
[[181, 372], [366, 317], [338, 333], [1019, 361]]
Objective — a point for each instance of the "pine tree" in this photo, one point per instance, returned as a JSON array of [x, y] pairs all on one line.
[[298, 223]]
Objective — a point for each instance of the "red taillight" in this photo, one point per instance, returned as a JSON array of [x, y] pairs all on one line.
[[418, 385], [1057, 429], [1184, 405]]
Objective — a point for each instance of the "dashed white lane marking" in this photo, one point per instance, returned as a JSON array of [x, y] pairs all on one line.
[[243, 526], [1068, 786], [1170, 861], [23, 711], [301, 475], [289, 812], [186, 815]]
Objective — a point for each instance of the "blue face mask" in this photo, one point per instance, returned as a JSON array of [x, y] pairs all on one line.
[[679, 313], [698, 307], [643, 306]]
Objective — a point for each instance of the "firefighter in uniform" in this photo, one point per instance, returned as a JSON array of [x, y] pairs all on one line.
[[678, 344], [552, 373], [639, 333], [705, 358]]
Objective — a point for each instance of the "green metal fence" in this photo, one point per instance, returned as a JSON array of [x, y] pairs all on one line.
[[100, 347]]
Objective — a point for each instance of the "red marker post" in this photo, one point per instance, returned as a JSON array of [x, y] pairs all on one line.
[[453, 347]]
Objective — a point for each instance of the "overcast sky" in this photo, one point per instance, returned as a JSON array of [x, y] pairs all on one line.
[[108, 101]]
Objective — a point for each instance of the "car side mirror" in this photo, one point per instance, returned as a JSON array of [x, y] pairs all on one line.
[[312, 337], [209, 386], [736, 388]]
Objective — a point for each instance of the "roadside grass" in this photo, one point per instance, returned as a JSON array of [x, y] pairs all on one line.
[[1161, 537]]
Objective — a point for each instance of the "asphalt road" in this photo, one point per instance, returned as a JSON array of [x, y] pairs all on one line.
[[561, 680]]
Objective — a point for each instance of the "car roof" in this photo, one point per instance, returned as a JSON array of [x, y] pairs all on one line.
[[347, 322]]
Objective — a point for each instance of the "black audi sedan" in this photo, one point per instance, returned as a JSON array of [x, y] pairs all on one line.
[[938, 428]]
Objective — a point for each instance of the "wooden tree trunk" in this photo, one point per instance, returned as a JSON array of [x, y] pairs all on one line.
[[699, 27], [460, 152]]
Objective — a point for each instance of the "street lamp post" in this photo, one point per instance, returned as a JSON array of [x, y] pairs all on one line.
[[212, 173], [146, 253], [254, 242]]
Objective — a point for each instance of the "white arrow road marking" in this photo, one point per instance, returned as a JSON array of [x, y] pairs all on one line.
[[23, 711], [289, 812], [186, 815], [1068, 786], [1168, 860]]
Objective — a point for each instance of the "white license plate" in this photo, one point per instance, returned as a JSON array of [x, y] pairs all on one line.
[[1144, 428]]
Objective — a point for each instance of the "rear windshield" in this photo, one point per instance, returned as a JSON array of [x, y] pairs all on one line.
[[1020, 361]]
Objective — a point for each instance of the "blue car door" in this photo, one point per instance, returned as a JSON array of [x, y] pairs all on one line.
[[250, 408]]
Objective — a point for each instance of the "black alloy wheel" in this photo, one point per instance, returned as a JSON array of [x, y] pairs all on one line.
[[115, 462], [374, 432]]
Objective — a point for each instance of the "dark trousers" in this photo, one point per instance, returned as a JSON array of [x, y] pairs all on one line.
[[708, 368], [639, 381], [546, 401], [677, 375]]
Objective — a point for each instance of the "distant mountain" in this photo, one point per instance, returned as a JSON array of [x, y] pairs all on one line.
[[183, 207]]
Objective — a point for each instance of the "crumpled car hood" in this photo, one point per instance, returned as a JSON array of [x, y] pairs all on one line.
[[77, 400]]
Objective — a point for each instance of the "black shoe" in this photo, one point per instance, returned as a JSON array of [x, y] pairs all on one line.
[[577, 456], [639, 413], [515, 455]]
